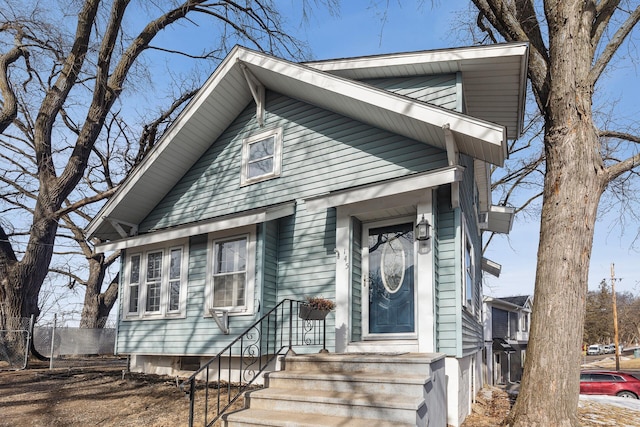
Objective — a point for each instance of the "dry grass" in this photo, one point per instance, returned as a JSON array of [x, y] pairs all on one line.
[[625, 363]]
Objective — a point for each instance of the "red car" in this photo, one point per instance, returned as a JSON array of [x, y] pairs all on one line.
[[611, 383]]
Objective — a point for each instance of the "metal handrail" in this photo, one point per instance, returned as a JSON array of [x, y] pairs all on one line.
[[254, 349]]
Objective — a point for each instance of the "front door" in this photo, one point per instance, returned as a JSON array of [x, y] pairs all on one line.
[[389, 282]]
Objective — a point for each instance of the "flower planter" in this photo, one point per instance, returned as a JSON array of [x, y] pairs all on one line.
[[306, 312]]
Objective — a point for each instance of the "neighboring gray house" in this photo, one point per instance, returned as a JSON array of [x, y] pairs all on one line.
[[286, 180], [506, 330]]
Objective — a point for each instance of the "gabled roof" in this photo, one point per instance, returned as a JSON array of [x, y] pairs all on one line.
[[519, 302], [493, 76], [226, 93]]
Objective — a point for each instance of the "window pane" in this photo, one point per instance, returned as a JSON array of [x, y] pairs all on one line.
[[261, 167], [174, 268], [154, 266], [469, 273], [231, 256], [134, 279], [133, 299], [174, 296], [262, 149], [230, 273], [223, 291], [153, 296], [229, 290], [154, 277], [135, 269]]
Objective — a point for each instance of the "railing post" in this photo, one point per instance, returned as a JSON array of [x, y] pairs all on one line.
[[324, 334], [290, 323], [192, 400]]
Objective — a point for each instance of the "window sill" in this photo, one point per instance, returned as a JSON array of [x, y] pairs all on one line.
[[230, 311], [154, 317]]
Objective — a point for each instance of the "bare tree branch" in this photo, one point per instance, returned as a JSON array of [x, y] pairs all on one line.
[[9, 109], [612, 47]]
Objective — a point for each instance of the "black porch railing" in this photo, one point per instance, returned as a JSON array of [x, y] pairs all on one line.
[[231, 372]]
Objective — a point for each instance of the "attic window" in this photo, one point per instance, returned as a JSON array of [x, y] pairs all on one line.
[[261, 156]]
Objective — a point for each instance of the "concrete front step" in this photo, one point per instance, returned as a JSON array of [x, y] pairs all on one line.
[[372, 405], [260, 417], [345, 390], [348, 382], [387, 363]]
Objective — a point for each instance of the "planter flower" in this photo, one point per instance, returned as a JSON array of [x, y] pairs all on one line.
[[316, 308]]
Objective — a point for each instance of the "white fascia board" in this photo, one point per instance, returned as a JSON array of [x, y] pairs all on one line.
[[452, 55], [483, 180], [385, 189], [217, 224], [500, 219], [381, 99], [157, 151], [491, 267]]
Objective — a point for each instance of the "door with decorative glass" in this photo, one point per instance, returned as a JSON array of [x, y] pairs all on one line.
[[389, 292]]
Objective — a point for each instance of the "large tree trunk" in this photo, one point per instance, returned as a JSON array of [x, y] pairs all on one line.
[[573, 184], [550, 387], [20, 282], [97, 305]]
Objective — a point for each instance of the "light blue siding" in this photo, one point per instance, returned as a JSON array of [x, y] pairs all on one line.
[[458, 330], [472, 339], [438, 89], [322, 152], [306, 259], [448, 304], [268, 265]]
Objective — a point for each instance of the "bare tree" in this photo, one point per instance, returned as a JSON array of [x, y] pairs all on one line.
[[62, 74], [572, 43]]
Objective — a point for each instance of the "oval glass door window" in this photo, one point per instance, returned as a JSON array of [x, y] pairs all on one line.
[[392, 265]]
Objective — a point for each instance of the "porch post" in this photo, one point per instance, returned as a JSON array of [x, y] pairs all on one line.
[[343, 296], [426, 319]]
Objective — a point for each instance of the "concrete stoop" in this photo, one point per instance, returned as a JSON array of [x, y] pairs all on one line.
[[348, 389]]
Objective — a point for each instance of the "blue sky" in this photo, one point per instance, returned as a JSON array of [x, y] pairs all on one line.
[[358, 30]]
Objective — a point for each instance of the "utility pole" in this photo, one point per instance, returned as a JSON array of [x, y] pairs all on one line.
[[615, 318]]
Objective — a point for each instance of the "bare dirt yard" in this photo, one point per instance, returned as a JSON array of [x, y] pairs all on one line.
[[100, 395], [96, 395]]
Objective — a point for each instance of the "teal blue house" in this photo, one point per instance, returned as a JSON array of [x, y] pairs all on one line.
[[284, 180]]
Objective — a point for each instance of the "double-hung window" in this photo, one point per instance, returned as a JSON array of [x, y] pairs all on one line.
[[231, 277], [230, 273], [469, 269], [469, 273], [261, 156], [156, 282]]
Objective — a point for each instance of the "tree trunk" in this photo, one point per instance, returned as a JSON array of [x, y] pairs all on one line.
[[550, 387], [97, 306], [573, 184]]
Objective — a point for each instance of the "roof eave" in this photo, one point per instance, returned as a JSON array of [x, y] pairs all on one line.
[[396, 113]]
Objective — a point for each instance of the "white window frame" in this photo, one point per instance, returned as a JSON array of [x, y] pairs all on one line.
[[245, 179], [468, 270], [249, 233], [164, 309]]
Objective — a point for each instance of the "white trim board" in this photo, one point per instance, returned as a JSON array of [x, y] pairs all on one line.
[[217, 224], [386, 188]]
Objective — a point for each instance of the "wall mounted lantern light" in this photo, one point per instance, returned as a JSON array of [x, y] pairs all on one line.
[[422, 230]]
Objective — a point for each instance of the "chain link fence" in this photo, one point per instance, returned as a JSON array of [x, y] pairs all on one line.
[[56, 346], [14, 343]]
